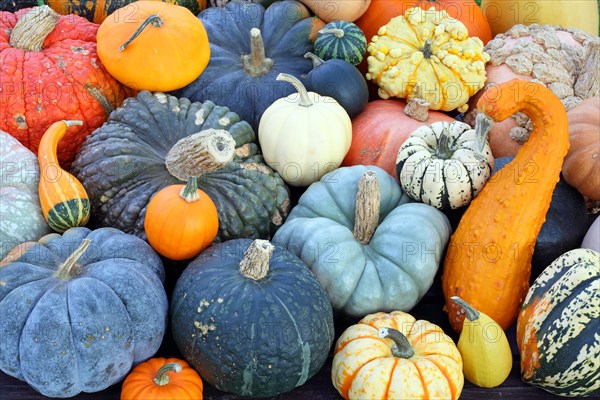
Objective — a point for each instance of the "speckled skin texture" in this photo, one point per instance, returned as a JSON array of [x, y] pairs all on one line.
[[84, 334], [252, 338]]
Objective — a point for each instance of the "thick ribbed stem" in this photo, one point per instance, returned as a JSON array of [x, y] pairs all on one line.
[[426, 50], [32, 28], [401, 347], [256, 63], [366, 214], [305, 101], [483, 124], [153, 20], [190, 191], [69, 268], [255, 264], [162, 375]]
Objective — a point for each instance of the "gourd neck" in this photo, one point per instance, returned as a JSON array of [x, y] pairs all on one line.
[[153, 20], [162, 375], [339, 33], [471, 313], [70, 268], [190, 191], [256, 63], [316, 61], [255, 264], [203, 152], [32, 28], [426, 50], [305, 101], [366, 214], [47, 149], [401, 347]]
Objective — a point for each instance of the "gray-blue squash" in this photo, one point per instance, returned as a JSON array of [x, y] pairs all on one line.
[[79, 309], [251, 318]]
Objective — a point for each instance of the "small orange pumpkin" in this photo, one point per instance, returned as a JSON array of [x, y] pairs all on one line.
[[162, 379], [181, 221], [162, 47]]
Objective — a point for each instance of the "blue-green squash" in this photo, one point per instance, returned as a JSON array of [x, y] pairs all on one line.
[[558, 327], [79, 309], [341, 40], [368, 245], [251, 318]]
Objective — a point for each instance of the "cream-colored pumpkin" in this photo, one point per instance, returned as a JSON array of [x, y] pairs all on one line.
[[429, 55], [304, 135]]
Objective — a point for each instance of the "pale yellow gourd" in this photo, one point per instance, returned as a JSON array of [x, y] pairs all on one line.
[[429, 55], [486, 354]]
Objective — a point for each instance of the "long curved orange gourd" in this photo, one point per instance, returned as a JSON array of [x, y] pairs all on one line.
[[64, 201], [488, 263]]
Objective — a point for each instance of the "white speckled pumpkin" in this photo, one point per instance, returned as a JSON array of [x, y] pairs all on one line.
[[21, 218], [427, 54]]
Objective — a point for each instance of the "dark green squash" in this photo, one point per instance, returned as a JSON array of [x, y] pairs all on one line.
[[78, 310], [341, 40], [249, 47], [125, 162], [339, 80], [251, 318]]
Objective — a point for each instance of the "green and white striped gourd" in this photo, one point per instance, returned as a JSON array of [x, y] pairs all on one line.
[[343, 40]]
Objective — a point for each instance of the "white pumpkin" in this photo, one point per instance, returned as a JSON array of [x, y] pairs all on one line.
[[305, 135], [21, 218], [592, 237], [445, 165]]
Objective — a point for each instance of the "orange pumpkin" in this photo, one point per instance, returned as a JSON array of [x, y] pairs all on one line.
[[380, 130], [162, 379], [394, 356], [181, 221], [164, 47], [488, 262]]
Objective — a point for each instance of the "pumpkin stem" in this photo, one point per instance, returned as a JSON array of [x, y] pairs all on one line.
[[443, 150], [366, 215], [418, 109], [401, 347], [153, 19], [305, 101], [190, 191], [69, 268], [255, 264], [162, 375], [32, 28], [483, 124], [256, 63], [316, 61], [339, 33], [471, 313], [426, 50], [200, 153], [100, 98]]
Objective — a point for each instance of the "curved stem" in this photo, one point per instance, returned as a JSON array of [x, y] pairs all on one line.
[[305, 101], [162, 375], [366, 214], [316, 61], [100, 98], [255, 264], [339, 33], [483, 124], [69, 268], [156, 22], [426, 50], [471, 313], [190, 191], [443, 149], [256, 63], [402, 347], [32, 28]]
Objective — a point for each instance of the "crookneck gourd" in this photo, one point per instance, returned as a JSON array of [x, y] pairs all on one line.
[[488, 263], [157, 140]]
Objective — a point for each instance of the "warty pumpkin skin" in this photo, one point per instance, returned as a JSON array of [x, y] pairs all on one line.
[[52, 75], [251, 318], [488, 263], [147, 140], [79, 309], [249, 47]]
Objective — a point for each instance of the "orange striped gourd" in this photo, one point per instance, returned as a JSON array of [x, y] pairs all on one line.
[[65, 203]]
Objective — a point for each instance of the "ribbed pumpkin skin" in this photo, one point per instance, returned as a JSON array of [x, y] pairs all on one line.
[[122, 165], [97, 10], [557, 328], [351, 47], [83, 334], [252, 338]]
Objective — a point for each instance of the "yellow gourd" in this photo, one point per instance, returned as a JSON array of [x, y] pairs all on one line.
[[487, 358]]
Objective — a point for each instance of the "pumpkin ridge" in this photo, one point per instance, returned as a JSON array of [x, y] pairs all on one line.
[[412, 278], [389, 384], [76, 358], [422, 379], [453, 389]]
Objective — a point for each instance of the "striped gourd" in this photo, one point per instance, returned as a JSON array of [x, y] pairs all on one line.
[[64, 201], [343, 40], [558, 330]]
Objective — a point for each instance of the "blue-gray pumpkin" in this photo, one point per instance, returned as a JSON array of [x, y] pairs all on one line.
[[79, 309], [251, 318], [368, 245]]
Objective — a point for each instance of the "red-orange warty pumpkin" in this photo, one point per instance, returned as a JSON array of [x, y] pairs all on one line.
[[49, 71]]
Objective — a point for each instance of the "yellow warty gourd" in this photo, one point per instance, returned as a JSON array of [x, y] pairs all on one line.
[[429, 55], [487, 358]]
